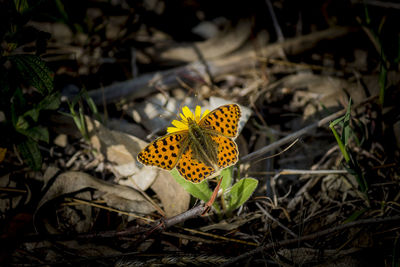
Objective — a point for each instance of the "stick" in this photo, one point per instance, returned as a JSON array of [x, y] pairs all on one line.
[[309, 237], [165, 80], [291, 137]]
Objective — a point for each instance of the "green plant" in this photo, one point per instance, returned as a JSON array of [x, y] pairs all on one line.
[[26, 87], [351, 163], [233, 196], [79, 115], [387, 43]]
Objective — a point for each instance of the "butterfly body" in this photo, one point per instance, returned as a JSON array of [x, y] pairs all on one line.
[[203, 148], [197, 147]]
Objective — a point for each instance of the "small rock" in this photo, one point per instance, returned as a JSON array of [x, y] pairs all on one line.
[[61, 140]]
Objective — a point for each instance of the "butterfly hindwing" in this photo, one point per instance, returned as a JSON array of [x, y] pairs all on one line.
[[163, 152], [191, 169], [224, 120], [228, 152]]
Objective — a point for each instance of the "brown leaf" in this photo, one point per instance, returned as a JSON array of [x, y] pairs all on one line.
[[70, 182], [121, 149], [172, 195]]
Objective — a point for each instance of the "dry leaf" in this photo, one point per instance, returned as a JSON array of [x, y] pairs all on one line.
[[121, 149], [70, 182], [222, 44], [173, 196]]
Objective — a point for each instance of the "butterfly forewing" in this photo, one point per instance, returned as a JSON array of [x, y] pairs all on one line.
[[224, 120], [164, 152]]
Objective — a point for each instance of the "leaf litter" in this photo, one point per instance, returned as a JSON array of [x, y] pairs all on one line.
[[93, 191]]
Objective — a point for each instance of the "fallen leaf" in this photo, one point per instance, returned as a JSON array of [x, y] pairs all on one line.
[[70, 182], [173, 196], [121, 149]]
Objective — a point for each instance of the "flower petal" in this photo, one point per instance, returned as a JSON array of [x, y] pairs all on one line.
[[187, 113], [183, 117], [197, 113], [180, 125], [172, 130]]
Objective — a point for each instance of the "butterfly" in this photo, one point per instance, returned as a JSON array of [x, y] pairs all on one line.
[[199, 145]]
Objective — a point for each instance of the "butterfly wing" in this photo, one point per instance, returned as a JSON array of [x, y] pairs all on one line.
[[191, 169], [228, 152], [164, 152], [223, 120]]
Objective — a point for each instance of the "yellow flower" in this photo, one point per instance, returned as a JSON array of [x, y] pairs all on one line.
[[183, 124]]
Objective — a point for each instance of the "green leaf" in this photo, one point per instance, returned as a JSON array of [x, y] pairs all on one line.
[[50, 102], [18, 104], [335, 122], [240, 192], [226, 175], [342, 141], [200, 190], [30, 152], [21, 6], [34, 72], [61, 9], [90, 103], [341, 145], [37, 133], [33, 113], [346, 125], [382, 82], [21, 124], [355, 215]]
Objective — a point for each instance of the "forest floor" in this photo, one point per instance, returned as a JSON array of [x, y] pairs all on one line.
[[317, 181]]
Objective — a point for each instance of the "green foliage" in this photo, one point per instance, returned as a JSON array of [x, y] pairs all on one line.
[[33, 71], [23, 108], [26, 87], [240, 193], [382, 83], [29, 149], [79, 116], [351, 163], [232, 198], [228, 177], [387, 42], [353, 217], [200, 190], [343, 140]]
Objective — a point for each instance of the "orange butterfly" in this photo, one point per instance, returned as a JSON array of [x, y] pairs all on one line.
[[199, 145]]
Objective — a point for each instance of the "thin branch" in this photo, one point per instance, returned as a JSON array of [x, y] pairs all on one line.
[[291, 137], [193, 212], [311, 236], [266, 213], [278, 29], [148, 83]]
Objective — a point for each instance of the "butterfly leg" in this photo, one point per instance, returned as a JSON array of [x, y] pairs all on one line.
[[208, 205]]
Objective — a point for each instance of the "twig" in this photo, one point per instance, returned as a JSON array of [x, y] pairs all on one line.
[[193, 212], [266, 213], [278, 30], [148, 83], [312, 172], [301, 172], [382, 4], [291, 137], [310, 237]]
